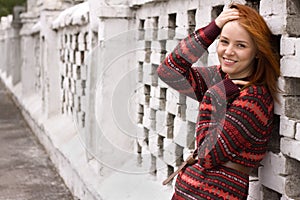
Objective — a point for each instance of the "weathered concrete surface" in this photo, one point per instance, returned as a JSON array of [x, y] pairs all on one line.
[[26, 171]]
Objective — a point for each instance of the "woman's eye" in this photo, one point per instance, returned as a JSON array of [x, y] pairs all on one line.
[[241, 45], [224, 41]]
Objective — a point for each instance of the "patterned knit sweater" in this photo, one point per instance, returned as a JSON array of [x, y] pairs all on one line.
[[232, 124]]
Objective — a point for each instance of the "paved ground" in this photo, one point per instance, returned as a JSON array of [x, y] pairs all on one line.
[[26, 173]]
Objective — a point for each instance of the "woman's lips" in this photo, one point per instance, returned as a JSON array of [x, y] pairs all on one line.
[[228, 62]]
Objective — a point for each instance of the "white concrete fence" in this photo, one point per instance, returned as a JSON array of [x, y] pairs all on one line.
[[84, 75]]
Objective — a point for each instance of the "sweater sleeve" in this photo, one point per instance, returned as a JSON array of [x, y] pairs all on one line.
[[238, 132], [177, 71]]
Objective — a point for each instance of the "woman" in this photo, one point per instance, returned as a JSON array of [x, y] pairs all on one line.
[[236, 102]]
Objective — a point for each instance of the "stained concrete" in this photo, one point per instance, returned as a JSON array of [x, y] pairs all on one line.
[[26, 172]]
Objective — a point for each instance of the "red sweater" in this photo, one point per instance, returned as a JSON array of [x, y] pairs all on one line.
[[232, 124]]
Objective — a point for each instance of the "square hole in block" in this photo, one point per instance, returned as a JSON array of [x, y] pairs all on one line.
[[216, 10], [253, 4], [191, 20]]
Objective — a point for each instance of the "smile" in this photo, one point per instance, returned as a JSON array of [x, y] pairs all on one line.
[[228, 61]]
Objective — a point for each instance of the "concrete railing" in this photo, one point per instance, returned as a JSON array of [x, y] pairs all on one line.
[[85, 79]]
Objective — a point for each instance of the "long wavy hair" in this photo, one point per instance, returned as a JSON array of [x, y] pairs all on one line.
[[267, 68]]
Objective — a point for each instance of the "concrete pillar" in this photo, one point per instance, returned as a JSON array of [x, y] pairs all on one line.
[[109, 82], [49, 64]]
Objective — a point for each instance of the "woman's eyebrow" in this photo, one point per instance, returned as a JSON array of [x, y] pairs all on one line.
[[239, 41]]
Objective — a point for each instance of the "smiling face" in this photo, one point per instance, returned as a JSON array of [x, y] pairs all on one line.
[[236, 51]]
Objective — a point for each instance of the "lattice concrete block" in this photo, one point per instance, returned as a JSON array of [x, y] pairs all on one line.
[[144, 99], [140, 55], [140, 134], [291, 86], [147, 69], [158, 92], [290, 66], [297, 136], [63, 69], [171, 44], [182, 18], [265, 8], [77, 103], [167, 132], [191, 109], [155, 57], [162, 170], [172, 153], [171, 105], [148, 27], [158, 104], [147, 78], [284, 197], [79, 87], [287, 127], [82, 46], [181, 30], [149, 118], [203, 17], [184, 133], [292, 186], [160, 121], [75, 72], [254, 189], [163, 34], [83, 103], [290, 147], [72, 57], [270, 180], [276, 23], [83, 72], [162, 84], [82, 37], [74, 43], [154, 147], [79, 57], [292, 106], [287, 46], [275, 163], [181, 111], [66, 55]]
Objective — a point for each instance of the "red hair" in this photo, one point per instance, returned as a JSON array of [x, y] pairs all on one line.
[[267, 69]]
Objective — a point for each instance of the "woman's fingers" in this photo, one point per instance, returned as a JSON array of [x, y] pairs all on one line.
[[226, 16]]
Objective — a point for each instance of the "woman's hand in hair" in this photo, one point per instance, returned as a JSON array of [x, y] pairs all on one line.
[[226, 16]]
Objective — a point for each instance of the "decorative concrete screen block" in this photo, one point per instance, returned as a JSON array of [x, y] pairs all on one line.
[[288, 46], [297, 136], [274, 182], [291, 86], [172, 153], [287, 127], [293, 17], [184, 132], [292, 107], [254, 189], [162, 170], [192, 108], [290, 147], [73, 72]]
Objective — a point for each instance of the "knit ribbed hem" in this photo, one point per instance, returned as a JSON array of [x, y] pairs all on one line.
[[212, 31], [230, 87]]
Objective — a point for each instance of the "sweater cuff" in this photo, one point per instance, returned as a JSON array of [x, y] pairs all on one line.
[[212, 31], [230, 87]]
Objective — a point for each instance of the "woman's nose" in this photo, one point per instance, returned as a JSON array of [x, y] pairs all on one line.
[[229, 50]]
